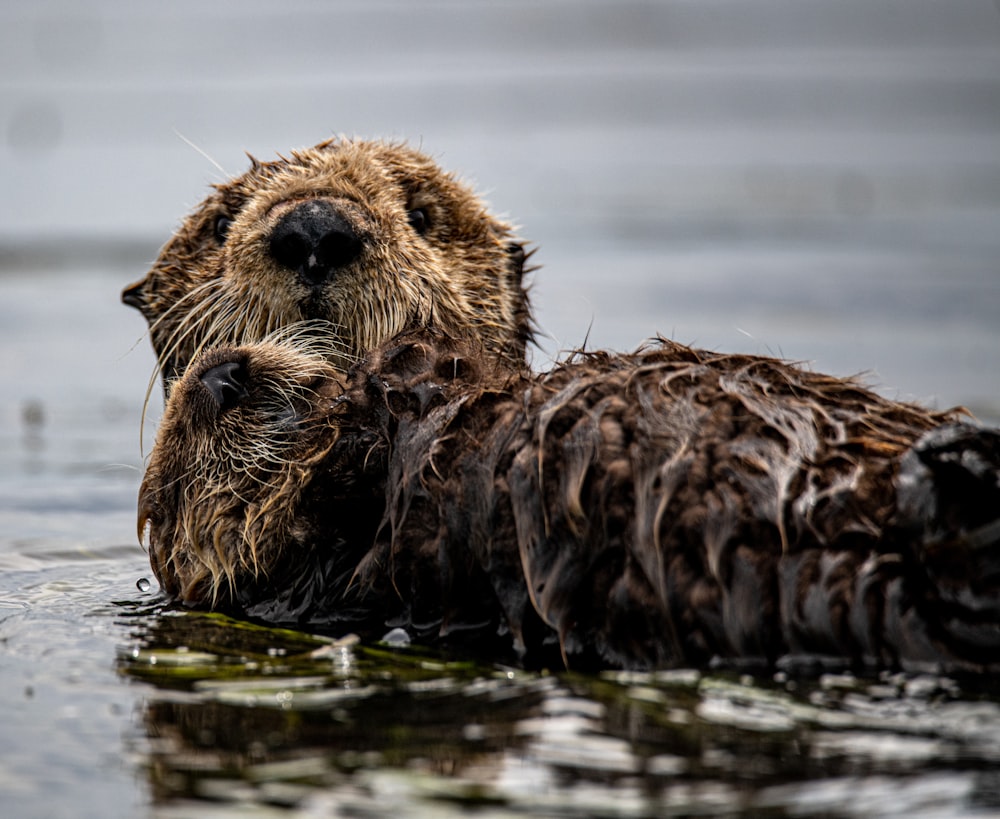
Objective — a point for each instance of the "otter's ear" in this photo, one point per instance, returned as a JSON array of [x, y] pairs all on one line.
[[133, 296], [518, 256]]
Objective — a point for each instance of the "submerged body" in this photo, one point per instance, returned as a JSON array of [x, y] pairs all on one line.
[[359, 239], [673, 506]]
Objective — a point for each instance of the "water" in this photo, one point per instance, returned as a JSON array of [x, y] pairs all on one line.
[[361, 731], [820, 181]]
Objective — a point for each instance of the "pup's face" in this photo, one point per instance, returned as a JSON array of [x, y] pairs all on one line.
[[240, 438]]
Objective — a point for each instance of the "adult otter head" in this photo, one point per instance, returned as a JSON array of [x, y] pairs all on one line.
[[364, 239]]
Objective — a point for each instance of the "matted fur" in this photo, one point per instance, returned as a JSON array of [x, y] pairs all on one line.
[[669, 506]]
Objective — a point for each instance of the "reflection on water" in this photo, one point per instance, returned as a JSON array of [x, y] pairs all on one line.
[[248, 716]]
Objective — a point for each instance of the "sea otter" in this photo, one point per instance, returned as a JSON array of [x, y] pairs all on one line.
[[672, 506], [363, 239]]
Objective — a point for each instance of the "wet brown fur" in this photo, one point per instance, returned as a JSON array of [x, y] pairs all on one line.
[[227, 476], [216, 283], [669, 506]]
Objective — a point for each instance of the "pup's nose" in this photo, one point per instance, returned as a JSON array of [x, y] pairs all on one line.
[[226, 383]]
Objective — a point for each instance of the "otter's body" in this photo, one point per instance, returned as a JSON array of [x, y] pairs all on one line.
[[666, 507], [359, 240]]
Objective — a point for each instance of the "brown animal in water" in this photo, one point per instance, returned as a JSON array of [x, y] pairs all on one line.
[[672, 506], [359, 239]]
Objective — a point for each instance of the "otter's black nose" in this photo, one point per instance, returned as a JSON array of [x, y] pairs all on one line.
[[226, 383], [314, 240]]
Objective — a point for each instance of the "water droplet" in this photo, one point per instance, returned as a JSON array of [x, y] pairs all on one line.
[[397, 637], [143, 585]]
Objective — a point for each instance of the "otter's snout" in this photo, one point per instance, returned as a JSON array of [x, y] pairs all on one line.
[[315, 241], [226, 383]]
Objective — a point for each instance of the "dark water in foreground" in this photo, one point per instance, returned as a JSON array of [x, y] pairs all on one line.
[[114, 706], [118, 707]]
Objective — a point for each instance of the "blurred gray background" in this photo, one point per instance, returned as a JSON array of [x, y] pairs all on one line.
[[819, 180]]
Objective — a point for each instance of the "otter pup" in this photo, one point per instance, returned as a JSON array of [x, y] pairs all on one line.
[[667, 507], [363, 239]]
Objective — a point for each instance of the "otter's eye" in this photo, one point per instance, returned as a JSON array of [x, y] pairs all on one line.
[[222, 225], [419, 220]]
